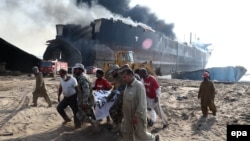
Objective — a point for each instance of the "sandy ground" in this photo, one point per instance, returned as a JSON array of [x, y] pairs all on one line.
[[178, 99]]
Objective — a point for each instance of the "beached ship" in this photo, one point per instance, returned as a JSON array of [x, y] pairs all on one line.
[[98, 43], [228, 74]]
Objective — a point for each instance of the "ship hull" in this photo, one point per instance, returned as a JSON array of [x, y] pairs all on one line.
[[100, 41], [227, 74]]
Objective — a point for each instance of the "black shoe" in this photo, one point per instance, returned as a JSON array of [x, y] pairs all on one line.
[[165, 126], [66, 121], [157, 138], [214, 113], [108, 119], [204, 116], [33, 105], [150, 123], [77, 126]]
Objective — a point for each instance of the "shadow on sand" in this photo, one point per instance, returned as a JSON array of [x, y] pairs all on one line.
[[203, 124], [69, 133]]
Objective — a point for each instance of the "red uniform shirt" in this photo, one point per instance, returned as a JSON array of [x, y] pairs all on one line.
[[102, 84], [151, 85]]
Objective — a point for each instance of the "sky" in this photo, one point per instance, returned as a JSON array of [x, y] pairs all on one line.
[[220, 22], [223, 23]]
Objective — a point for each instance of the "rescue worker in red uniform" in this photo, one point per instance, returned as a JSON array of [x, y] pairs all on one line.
[[101, 83], [153, 91]]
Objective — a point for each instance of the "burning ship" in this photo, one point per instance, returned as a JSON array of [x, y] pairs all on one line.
[[98, 43]]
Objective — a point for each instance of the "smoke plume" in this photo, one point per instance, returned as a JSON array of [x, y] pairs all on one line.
[[28, 24], [137, 13]]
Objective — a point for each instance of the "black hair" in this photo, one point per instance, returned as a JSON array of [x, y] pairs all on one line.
[[143, 70], [63, 71], [137, 71], [128, 71], [100, 72]]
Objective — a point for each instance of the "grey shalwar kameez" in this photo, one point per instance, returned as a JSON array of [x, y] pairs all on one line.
[[134, 104]]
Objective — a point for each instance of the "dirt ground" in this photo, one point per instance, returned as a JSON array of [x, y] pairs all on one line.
[[21, 122]]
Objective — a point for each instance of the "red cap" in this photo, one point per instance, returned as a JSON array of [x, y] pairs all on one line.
[[205, 74]]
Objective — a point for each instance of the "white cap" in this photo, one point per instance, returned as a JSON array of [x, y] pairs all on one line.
[[79, 65], [114, 67]]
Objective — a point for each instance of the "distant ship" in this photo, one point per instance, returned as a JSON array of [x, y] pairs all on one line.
[[98, 42], [228, 74]]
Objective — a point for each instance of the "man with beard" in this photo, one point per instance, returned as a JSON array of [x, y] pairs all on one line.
[[134, 123]]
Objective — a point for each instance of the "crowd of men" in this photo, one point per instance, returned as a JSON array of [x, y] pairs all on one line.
[[135, 108]]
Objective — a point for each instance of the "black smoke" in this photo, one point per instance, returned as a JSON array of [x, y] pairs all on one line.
[[138, 13]]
